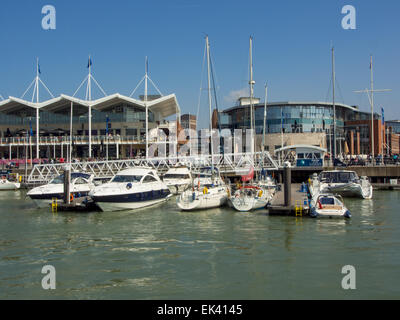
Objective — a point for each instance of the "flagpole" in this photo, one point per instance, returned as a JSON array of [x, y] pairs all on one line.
[[37, 109], [90, 106], [147, 112]]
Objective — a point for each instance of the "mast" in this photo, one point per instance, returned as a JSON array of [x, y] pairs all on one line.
[[372, 113], [251, 83], [333, 101], [147, 110], [209, 101], [265, 116]]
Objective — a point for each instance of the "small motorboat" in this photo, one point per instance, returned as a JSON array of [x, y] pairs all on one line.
[[177, 179], [131, 189], [208, 191], [328, 205], [80, 186], [5, 184]]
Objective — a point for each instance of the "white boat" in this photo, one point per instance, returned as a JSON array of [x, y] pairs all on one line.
[[249, 198], [177, 179], [8, 185], [208, 191], [343, 182], [131, 189], [328, 205], [80, 186]]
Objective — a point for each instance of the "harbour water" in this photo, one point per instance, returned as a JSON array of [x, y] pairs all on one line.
[[162, 253]]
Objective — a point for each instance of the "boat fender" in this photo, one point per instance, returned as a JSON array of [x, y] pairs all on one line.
[[129, 186], [319, 204], [71, 197], [205, 190], [228, 192], [20, 178], [260, 193]]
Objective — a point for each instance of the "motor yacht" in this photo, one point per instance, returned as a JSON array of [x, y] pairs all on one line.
[[343, 182], [80, 186], [131, 189], [177, 179]]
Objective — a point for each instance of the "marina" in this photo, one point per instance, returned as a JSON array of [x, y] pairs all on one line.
[[164, 253], [199, 150]]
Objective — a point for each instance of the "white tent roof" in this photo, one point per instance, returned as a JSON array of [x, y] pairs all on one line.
[[162, 107], [19, 107]]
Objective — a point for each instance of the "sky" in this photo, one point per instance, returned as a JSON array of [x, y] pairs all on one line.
[[291, 49]]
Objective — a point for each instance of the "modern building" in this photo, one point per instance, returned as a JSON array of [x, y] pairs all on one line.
[[189, 121], [309, 122], [114, 124]]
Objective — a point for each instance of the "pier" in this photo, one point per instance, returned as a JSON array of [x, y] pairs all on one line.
[[298, 199]]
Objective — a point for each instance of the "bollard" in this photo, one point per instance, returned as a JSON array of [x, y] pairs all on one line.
[[287, 177], [67, 178]]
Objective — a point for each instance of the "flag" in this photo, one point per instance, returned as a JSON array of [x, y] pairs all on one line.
[[39, 68], [248, 176], [89, 62], [383, 115], [30, 127]]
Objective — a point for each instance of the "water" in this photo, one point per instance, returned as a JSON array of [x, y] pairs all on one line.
[[161, 253]]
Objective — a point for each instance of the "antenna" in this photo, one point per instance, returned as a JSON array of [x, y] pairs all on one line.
[[371, 101]]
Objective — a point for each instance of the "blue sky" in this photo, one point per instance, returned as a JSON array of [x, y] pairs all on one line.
[[292, 41]]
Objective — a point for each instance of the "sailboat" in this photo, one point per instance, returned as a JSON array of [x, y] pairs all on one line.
[[257, 194], [208, 189]]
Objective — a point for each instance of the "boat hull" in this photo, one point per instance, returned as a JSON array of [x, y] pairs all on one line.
[[137, 200], [10, 186], [326, 213], [199, 201], [119, 206], [348, 190]]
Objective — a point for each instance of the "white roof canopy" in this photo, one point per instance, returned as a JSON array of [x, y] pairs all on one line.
[[162, 107]]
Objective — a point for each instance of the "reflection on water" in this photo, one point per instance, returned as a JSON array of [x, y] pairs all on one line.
[[163, 253]]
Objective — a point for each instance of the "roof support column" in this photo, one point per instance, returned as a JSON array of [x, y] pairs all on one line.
[[90, 131], [37, 133], [70, 133]]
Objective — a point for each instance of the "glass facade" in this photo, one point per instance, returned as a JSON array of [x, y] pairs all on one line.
[[291, 118], [121, 113]]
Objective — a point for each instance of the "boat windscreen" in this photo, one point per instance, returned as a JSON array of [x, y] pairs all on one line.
[[126, 178], [338, 177], [58, 180], [327, 200], [176, 176]]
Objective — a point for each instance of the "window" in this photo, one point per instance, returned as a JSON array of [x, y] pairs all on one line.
[[149, 178], [124, 178]]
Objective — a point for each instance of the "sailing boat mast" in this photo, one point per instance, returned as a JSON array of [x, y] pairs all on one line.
[[265, 116], [209, 101], [251, 83], [333, 101]]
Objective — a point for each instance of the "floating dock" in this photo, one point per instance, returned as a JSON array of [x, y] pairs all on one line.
[[298, 204]]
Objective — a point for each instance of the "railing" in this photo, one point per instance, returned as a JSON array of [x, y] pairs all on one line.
[[59, 140], [238, 163]]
